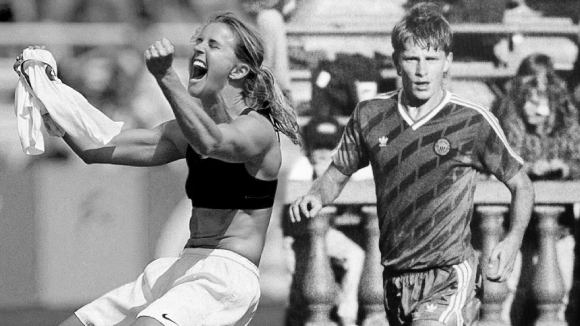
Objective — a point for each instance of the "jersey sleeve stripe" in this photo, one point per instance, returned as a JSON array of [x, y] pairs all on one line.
[[492, 120], [384, 96]]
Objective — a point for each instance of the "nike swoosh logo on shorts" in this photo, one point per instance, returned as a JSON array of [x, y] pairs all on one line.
[[167, 318]]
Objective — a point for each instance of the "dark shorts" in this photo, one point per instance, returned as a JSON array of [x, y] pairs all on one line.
[[450, 295]]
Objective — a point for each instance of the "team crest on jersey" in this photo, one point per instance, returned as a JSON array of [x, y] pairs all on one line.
[[442, 147], [383, 141]]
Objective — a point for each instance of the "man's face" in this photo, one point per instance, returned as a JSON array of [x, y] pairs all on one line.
[[422, 71], [98, 73]]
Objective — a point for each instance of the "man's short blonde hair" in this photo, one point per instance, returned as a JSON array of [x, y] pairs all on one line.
[[425, 26]]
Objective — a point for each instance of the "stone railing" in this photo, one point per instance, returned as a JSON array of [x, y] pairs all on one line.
[[355, 208]]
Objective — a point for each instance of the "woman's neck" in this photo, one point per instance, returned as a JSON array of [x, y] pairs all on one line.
[[225, 106]]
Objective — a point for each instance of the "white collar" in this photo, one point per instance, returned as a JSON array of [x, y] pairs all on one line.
[[416, 124]]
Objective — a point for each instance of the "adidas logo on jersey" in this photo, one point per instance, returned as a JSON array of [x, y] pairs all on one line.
[[430, 308], [383, 141]]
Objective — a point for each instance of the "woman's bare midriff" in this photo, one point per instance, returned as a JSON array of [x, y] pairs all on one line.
[[240, 231]]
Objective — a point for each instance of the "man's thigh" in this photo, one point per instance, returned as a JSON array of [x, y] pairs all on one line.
[[443, 296]]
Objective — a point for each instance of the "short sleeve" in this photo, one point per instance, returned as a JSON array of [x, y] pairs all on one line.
[[493, 154], [351, 153]]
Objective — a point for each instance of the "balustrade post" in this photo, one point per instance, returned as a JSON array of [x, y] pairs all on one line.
[[371, 284], [494, 294], [572, 313], [547, 283], [318, 283]]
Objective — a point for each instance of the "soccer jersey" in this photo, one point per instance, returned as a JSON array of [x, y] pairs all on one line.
[[425, 174]]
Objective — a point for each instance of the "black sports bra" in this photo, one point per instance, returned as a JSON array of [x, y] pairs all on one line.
[[213, 183]]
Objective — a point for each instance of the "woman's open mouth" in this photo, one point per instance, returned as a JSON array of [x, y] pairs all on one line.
[[198, 69]]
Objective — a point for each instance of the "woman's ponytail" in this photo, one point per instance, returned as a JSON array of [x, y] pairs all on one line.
[[263, 92], [261, 89]]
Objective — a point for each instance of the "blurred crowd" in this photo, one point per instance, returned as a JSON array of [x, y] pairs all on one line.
[[106, 76], [538, 106], [140, 12]]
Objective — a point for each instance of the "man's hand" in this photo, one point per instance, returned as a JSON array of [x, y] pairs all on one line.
[[308, 206], [159, 57], [502, 259], [540, 168], [559, 166], [324, 190]]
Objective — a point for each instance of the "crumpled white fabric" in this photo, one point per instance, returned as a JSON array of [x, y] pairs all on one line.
[[44, 93]]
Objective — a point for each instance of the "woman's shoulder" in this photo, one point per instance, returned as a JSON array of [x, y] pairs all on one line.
[[258, 116], [258, 124]]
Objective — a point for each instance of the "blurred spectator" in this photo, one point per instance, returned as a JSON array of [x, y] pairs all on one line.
[[511, 50], [505, 50], [540, 65], [267, 16], [519, 10], [468, 11], [106, 77], [573, 81], [541, 125], [541, 122], [560, 8], [19, 10], [338, 85], [203, 9], [154, 11], [105, 11], [288, 7], [115, 81], [321, 135], [535, 64]]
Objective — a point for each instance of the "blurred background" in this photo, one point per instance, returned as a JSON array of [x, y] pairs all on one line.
[[70, 232]]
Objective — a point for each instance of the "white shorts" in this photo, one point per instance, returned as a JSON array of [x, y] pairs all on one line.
[[201, 287]]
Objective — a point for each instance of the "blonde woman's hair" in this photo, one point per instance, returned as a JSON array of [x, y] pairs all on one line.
[[260, 88]]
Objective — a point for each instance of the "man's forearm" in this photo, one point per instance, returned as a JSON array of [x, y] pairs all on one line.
[[520, 215], [521, 208], [329, 186]]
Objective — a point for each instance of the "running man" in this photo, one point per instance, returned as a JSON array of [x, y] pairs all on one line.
[[425, 146]]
